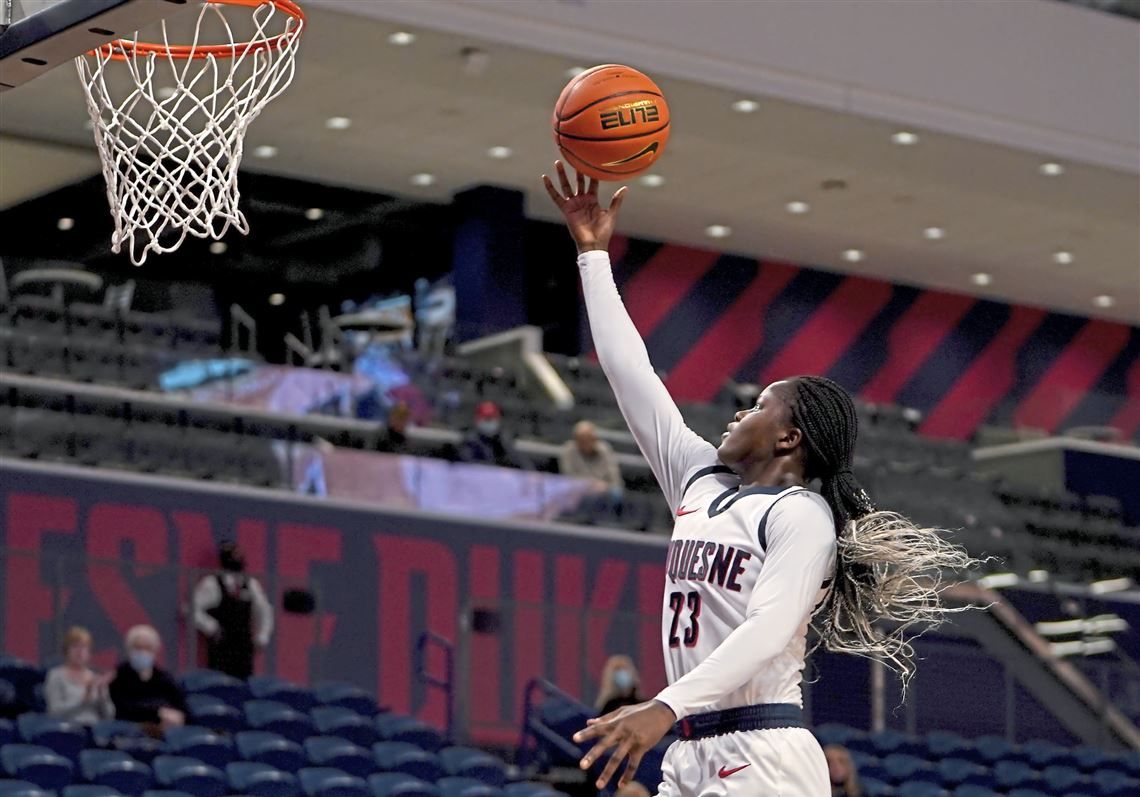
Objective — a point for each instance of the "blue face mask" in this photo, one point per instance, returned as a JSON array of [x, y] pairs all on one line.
[[141, 660], [623, 680]]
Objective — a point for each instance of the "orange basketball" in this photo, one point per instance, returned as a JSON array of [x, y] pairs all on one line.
[[611, 122]]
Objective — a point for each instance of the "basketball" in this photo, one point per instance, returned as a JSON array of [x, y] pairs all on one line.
[[611, 122]]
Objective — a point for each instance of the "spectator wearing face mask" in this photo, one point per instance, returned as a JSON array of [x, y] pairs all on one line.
[[486, 444], [620, 682], [841, 769], [142, 691], [73, 691], [231, 610]]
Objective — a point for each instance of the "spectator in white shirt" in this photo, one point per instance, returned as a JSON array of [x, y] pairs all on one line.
[[231, 610], [587, 457], [73, 691]]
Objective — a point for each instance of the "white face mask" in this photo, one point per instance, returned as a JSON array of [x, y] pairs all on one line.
[[623, 679], [141, 660], [488, 428]]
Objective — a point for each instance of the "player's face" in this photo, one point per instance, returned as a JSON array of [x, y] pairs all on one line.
[[761, 433]]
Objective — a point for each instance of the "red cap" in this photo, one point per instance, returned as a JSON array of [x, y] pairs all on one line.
[[487, 409]]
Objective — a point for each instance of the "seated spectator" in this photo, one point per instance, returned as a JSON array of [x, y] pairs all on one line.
[[619, 685], [142, 691], [841, 769], [73, 691], [587, 457], [486, 444]]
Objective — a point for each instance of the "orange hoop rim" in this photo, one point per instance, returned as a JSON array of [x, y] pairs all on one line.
[[124, 49]]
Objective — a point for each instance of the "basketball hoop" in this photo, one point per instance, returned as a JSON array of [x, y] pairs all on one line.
[[170, 121]]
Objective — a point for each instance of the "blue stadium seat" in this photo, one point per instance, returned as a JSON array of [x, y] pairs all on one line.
[[900, 767], [471, 763], [104, 732], [7, 732], [991, 749], [90, 790], [37, 764], [272, 749], [342, 695], [10, 704], [1026, 793], [269, 715], [529, 790], [23, 676], [1014, 774], [918, 788], [407, 759], [1102, 783], [345, 723], [116, 770], [944, 744], [873, 787], [201, 743], [956, 771], [1092, 758], [216, 684], [328, 782], [396, 728], [337, 753], [64, 738], [21, 788], [212, 712], [1040, 754], [261, 780], [973, 790], [466, 787], [165, 793], [267, 687], [832, 733], [395, 784], [1059, 779], [190, 775], [890, 741]]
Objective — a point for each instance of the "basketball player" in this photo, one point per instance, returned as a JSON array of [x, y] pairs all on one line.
[[754, 555]]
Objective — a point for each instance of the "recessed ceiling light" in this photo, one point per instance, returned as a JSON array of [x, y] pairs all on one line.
[[1051, 169], [166, 92], [218, 248], [276, 299], [421, 179], [981, 279], [574, 71], [651, 180], [65, 224], [500, 153], [934, 233], [1062, 257], [401, 38], [718, 231], [89, 124], [797, 207], [746, 106], [265, 151], [904, 138], [1104, 300], [315, 214], [853, 255], [338, 123]]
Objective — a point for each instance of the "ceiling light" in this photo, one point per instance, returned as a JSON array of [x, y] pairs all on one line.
[[1050, 169], [718, 231], [745, 106], [500, 153], [998, 580], [797, 207], [338, 123], [1037, 576], [314, 214], [65, 224], [1110, 584], [1104, 300], [1062, 257], [651, 180], [218, 248], [265, 151], [574, 71], [934, 233], [89, 124], [853, 255], [422, 179], [277, 299], [904, 138], [166, 92], [981, 279], [401, 38]]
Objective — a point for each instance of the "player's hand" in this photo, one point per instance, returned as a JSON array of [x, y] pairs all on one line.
[[631, 731], [591, 226]]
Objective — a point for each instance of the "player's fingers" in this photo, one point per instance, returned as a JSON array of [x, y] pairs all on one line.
[[550, 189], [618, 756], [563, 180], [619, 197], [593, 730], [581, 183], [593, 189], [596, 751], [631, 767]]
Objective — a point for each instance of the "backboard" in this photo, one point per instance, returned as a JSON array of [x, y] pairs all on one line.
[[39, 35]]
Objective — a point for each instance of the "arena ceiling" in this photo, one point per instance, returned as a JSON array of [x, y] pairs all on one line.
[[426, 108]]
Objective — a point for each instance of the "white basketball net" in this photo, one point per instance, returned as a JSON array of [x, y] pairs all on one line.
[[171, 137]]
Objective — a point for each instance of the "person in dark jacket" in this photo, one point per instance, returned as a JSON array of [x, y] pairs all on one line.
[[231, 610], [142, 691], [486, 445]]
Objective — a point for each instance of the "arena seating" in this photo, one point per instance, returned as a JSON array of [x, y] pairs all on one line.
[[330, 741]]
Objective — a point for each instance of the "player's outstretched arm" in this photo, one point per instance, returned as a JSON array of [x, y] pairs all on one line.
[[672, 449]]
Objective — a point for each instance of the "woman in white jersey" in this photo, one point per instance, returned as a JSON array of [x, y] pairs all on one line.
[[754, 555]]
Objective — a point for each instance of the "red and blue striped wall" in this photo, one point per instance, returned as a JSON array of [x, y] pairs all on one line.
[[964, 361]]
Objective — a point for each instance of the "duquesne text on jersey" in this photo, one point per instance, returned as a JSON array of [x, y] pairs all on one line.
[[701, 560]]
